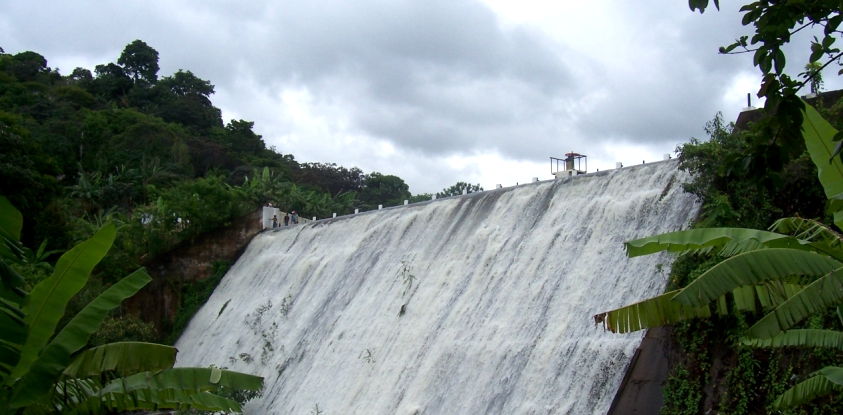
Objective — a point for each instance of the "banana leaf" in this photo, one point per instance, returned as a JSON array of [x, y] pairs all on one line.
[[172, 388], [825, 382], [769, 294], [800, 338], [146, 399], [49, 298], [818, 235], [13, 330], [661, 310], [186, 378], [654, 312], [11, 222], [819, 134], [46, 370], [731, 241], [11, 286], [824, 292], [12, 337], [123, 358], [751, 268]]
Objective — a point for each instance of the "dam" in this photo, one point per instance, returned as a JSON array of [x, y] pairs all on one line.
[[475, 304]]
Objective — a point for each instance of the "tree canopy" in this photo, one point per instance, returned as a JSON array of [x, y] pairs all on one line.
[[458, 188], [140, 61]]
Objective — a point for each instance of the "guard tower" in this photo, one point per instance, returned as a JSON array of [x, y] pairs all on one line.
[[572, 165]]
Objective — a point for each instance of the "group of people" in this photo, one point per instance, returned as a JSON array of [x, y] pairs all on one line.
[[288, 219]]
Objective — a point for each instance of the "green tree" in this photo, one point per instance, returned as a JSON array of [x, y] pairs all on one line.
[[111, 82], [27, 65], [421, 197], [80, 76], [140, 61], [329, 177], [814, 72], [241, 138], [381, 189], [184, 98], [775, 23], [458, 188]]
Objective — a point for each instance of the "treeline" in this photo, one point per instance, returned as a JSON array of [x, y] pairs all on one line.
[[151, 154], [122, 141]]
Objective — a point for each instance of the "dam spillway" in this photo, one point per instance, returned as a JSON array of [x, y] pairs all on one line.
[[479, 304]]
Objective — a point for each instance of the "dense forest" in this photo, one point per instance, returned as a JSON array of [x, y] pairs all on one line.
[[152, 155]]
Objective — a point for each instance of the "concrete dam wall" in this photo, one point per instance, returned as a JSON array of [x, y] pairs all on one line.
[[478, 304]]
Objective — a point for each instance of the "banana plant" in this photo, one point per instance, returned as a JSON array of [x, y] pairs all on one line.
[[762, 268], [42, 371]]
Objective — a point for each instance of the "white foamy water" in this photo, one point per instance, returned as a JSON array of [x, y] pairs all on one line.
[[497, 316]]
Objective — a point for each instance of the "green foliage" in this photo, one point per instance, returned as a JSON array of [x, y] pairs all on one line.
[[140, 61], [330, 178], [458, 188], [149, 153], [123, 328], [814, 72], [42, 370], [760, 269], [386, 190], [779, 137], [422, 197], [194, 296], [742, 382], [719, 166], [682, 395]]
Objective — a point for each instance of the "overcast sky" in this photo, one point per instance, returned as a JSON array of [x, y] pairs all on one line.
[[432, 91]]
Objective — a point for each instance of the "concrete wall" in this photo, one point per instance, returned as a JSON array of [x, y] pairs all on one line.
[[640, 392], [269, 212]]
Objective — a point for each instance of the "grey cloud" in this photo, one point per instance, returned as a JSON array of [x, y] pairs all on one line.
[[682, 86], [434, 78]]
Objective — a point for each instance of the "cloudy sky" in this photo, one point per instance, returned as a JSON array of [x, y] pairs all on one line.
[[432, 91]]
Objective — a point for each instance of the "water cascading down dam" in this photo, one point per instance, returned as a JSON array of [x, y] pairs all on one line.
[[478, 304]]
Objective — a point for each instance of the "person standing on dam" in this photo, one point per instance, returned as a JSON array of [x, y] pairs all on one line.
[[274, 221], [286, 219], [295, 218]]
